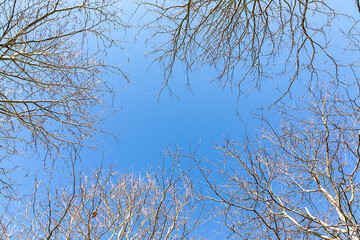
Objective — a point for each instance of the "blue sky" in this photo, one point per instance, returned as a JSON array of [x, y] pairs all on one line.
[[148, 124]]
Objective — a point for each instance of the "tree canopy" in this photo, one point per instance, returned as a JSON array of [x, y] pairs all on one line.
[[294, 177]]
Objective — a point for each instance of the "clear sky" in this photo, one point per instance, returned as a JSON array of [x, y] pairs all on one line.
[[147, 126]]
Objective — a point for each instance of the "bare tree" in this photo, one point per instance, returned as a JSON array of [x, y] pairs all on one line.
[[247, 42], [53, 93], [298, 178], [106, 205]]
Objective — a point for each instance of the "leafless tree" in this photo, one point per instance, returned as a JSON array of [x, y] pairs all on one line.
[[53, 90], [106, 205], [298, 178], [251, 41]]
